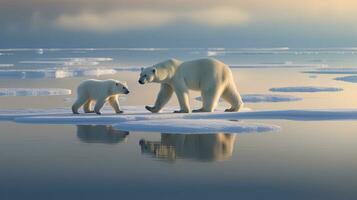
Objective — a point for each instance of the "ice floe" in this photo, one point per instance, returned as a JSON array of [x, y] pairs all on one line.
[[136, 118], [33, 91], [351, 79], [260, 98], [306, 89], [135, 113]]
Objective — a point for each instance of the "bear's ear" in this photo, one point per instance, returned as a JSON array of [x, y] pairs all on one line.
[[142, 69], [154, 71]]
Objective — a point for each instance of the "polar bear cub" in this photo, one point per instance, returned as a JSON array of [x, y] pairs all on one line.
[[211, 77], [99, 91]]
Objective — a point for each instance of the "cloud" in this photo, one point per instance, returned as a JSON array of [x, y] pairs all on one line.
[[220, 16], [113, 20], [136, 19]]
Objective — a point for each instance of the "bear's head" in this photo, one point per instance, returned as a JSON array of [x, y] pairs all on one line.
[[159, 72], [147, 75], [119, 88]]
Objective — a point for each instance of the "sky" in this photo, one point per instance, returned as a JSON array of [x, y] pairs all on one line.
[[178, 23]]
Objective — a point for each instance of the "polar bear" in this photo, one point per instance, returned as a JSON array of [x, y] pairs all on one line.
[[99, 91], [210, 76]]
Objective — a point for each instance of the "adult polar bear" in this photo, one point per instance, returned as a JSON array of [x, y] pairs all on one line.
[[212, 77]]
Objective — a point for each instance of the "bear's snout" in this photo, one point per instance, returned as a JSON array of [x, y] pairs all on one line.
[[127, 92], [141, 82]]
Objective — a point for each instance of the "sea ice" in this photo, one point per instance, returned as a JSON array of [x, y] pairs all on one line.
[[306, 89], [260, 98]]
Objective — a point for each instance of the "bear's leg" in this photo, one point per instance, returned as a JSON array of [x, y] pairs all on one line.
[[182, 96], [232, 96], [87, 107], [99, 104], [210, 99], [79, 102], [162, 98], [113, 101]]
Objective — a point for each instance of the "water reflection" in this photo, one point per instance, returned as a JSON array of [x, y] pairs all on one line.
[[201, 147], [100, 134]]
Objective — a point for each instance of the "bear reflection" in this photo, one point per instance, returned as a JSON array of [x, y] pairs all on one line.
[[100, 134], [202, 147]]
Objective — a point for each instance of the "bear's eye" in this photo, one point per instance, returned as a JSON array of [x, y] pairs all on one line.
[[123, 88], [116, 84]]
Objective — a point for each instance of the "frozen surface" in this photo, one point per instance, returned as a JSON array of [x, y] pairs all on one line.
[[260, 98], [352, 79], [138, 115], [306, 89], [33, 91]]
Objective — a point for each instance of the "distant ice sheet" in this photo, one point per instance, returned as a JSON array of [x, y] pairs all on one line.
[[81, 61], [33, 91], [54, 73], [351, 79], [277, 65], [260, 98], [6, 65], [333, 70], [306, 89]]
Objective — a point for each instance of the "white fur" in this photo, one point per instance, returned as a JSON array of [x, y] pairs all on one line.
[[99, 91], [213, 78]]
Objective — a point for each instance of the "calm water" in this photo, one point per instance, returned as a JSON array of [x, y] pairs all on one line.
[[305, 160]]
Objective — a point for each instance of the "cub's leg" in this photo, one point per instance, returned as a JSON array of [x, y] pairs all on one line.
[[232, 96], [99, 104], [183, 99], [87, 106], [78, 103], [113, 101], [162, 98]]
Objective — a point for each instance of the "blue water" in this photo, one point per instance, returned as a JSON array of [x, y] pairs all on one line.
[[304, 160]]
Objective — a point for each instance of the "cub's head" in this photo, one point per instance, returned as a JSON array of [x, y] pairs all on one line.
[[147, 75], [119, 88]]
